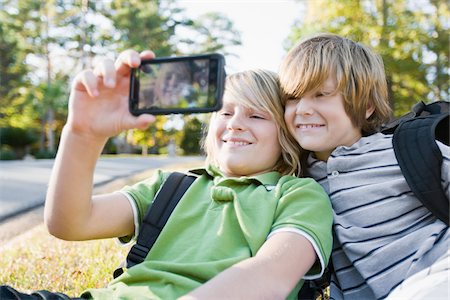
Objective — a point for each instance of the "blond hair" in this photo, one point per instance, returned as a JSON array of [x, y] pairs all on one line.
[[259, 90], [359, 73]]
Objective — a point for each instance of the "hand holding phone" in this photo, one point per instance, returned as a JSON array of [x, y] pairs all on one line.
[[168, 85], [99, 97]]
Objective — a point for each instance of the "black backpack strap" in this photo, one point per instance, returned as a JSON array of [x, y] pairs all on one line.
[[156, 217], [313, 288], [419, 109], [420, 159]]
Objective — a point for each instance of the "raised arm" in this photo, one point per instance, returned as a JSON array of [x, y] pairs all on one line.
[[98, 109], [271, 274]]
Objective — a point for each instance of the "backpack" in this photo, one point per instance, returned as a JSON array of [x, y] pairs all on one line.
[[419, 157]]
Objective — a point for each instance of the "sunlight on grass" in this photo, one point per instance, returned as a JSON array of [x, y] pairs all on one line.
[[38, 261]]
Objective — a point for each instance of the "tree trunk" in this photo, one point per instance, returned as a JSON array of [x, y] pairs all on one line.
[[50, 132]]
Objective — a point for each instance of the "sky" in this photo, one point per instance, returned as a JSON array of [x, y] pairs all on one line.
[[264, 25]]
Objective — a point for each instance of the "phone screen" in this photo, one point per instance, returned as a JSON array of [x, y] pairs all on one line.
[[177, 85]]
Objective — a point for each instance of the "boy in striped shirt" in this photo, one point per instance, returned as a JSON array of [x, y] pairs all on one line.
[[387, 244]]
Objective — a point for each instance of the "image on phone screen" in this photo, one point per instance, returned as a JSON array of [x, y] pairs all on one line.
[[177, 85]]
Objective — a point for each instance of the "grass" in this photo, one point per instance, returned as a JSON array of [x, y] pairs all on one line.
[[40, 261], [36, 260]]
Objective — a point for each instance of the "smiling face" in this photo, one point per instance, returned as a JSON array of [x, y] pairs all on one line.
[[245, 139], [248, 135], [318, 121]]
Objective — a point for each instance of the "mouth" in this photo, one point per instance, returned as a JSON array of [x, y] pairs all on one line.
[[236, 142], [309, 126]]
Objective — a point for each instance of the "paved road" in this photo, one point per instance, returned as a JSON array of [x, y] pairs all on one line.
[[23, 184]]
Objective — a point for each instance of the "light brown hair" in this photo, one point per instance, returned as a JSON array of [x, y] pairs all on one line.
[[358, 71]]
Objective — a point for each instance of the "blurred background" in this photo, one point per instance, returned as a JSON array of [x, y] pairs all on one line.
[[43, 44]]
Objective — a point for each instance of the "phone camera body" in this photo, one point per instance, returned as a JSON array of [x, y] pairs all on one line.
[[178, 85]]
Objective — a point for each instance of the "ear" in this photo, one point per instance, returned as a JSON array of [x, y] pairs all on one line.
[[369, 111]]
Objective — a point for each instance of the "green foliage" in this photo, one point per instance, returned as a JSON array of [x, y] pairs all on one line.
[[412, 38], [110, 147], [6, 153], [14, 142], [17, 137], [44, 154], [12, 67], [192, 135]]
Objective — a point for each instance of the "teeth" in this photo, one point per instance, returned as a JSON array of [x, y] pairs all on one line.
[[306, 126], [237, 143]]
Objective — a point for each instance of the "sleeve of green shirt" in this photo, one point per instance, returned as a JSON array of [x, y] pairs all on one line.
[[304, 207], [141, 196]]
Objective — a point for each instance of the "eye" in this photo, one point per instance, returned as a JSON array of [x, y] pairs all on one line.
[[323, 94], [320, 94], [224, 113], [259, 115]]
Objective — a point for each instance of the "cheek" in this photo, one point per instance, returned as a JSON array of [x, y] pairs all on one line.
[[276, 146], [289, 114], [214, 133]]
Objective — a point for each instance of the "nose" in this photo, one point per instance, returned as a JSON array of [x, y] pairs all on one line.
[[304, 106], [236, 122]]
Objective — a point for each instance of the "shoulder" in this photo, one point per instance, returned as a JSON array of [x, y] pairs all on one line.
[[307, 190], [155, 180], [287, 183], [367, 144], [144, 191]]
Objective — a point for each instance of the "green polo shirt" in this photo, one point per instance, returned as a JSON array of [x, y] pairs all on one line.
[[219, 222]]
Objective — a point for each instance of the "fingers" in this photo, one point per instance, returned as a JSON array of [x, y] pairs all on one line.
[[143, 121], [86, 81], [139, 122], [147, 54], [131, 59], [106, 72], [127, 59]]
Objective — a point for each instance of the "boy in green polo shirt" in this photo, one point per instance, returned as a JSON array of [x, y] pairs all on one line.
[[247, 228]]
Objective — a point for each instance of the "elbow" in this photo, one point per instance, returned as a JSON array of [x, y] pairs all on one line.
[[54, 228], [58, 229]]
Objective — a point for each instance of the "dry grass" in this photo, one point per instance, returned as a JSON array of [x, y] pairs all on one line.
[[36, 260]]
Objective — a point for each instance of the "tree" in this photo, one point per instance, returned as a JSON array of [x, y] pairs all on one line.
[[13, 70], [33, 21], [211, 32], [17, 138], [192, 135], [144, 25]]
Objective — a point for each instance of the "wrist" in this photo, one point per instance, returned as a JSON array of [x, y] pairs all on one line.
[[84, 137], [81, 140]]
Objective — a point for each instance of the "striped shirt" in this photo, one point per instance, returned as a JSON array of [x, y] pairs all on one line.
[[383, 233]]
